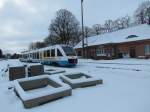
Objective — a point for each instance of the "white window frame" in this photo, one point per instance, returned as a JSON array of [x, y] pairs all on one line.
[[147, 49], [100, 51]]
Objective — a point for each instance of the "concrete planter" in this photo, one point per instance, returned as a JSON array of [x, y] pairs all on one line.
[[17, 72], [35, 70], [79, 80], [39, 90]]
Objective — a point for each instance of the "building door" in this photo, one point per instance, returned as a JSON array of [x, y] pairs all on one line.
[[132, 52], [79, 53], [120, 55]]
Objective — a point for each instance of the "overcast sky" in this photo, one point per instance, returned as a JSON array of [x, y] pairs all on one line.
[[26, 21]]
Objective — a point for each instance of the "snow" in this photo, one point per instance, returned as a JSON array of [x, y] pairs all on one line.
[[122, 91], [142, 31]]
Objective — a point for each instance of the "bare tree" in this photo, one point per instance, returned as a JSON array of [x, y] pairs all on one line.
[[31, 46], [148, 15], [36, 45], [97, 29], [139, 16], [88, 31], [51, 40], [40, 45], [108, 25], [64, 28], [127, 21], [142, 13], [122, 22]]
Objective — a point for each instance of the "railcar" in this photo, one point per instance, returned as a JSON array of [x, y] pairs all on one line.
[[61, 55]]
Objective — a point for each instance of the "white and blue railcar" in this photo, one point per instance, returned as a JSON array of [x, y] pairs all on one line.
[[61, 55]]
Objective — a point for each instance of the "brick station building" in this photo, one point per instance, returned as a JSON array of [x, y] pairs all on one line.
[[133, 42]]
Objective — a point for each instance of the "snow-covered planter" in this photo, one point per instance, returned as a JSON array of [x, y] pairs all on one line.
[[38, 90], [77, 80], [53, 71], [16, 72], [35, 70]]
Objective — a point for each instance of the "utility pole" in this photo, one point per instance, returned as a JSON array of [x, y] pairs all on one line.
[[83, 50]]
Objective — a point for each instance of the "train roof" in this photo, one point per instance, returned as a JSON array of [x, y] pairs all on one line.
[[45, 48]]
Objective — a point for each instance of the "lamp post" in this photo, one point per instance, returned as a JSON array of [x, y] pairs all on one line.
[[83, 50]]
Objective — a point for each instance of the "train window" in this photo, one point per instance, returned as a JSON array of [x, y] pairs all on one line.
[[48, 53], [33, 55], [53, 53], [37, 55], [59, 53], [69, 51], [26, 56], [45, 54]]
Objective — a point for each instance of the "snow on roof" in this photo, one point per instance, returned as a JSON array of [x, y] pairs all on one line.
[[45, 48], [141, 31]]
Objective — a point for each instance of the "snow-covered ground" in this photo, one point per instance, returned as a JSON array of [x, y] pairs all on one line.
[[126, 88]]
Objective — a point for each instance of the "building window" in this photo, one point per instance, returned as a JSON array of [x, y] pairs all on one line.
[[100, 51], [147, 49]]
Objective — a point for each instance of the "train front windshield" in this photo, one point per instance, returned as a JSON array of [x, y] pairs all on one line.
[[69, 51]]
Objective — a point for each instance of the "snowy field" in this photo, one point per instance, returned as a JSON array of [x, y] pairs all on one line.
[[126, 88]]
